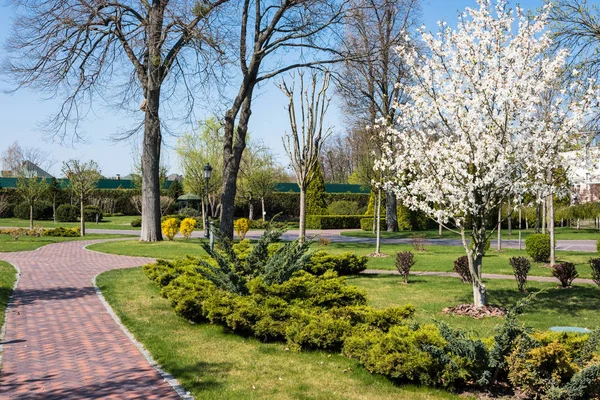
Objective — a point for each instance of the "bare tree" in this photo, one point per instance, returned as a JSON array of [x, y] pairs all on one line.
[[82, 48], [269, 30], [336, 159], [304, 142], [14, 157], [372, 80], [83, 179]]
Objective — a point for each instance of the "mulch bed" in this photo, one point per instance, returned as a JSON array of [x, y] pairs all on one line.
[[471, 310]]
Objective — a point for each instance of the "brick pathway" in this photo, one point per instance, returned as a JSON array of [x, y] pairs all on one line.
[[60, 341]]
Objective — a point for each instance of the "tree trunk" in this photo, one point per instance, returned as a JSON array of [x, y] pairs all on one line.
[[235, 143], [302, 232], [81, 218], [509, 221], [544, 216], [262, 203], [30, 216], [537, 218], [391, 214], [440, 228], [475, 257], [54, 209], [151, 231], [551, 229], [250, 210], [499, 244], [378, 223]]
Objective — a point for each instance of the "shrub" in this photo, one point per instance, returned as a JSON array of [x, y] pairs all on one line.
[[187, 227], [258, 224], [170, 227], [521, 267], [66, 213], [90, 212], [461, 267], [62, 232], [136, 223], [41, 210], [344, 207], [366, 223], [343, 264], [333, 221], [419, 242], [242, 226], [323, 241], [565, 273], [595, 266], [404, 262], [538, 247], [598, 245], [189, 212]]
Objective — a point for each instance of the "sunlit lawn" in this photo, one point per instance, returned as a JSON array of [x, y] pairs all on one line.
[[123, 222], [8, 276], [27, 243]]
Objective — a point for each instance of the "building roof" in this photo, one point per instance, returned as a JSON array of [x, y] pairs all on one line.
[[189, 196]]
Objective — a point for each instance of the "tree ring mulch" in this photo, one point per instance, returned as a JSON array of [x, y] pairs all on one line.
[[378, 255], [471, 310]]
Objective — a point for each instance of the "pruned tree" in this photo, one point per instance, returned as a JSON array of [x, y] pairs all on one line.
[[76, 49], [479, 126], [307, 131], [275, 36], [31, 189], [83, 179], [372, 80], [336, 159]]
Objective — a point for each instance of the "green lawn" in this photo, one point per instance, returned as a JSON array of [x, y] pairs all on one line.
[[564, 233], [123, 222], [8, 275], [436, 258], [214, 364], [577, 306], [27, 243]]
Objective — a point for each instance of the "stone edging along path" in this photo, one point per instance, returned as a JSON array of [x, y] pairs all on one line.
[[62, 342]]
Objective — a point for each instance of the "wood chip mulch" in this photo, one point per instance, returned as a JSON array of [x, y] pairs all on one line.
[[473, 311]]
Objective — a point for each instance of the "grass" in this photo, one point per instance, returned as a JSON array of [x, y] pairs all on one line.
[[28, 243], [562, 233], [8, 275], [214, 364], [120, 223], [436, 258], [577, 306]]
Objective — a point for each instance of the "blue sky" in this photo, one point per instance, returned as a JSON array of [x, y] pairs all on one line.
[[21, 113]]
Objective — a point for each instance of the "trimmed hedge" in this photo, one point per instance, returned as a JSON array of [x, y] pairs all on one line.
[[366, 223], [67, 213], [90, 212], [333, 221], [41, 210], [537, 247]]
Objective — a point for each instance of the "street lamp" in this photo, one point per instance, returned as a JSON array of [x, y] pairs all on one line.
[[207, 172]]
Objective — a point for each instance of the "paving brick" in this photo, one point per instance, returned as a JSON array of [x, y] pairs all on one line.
[[60, 341]]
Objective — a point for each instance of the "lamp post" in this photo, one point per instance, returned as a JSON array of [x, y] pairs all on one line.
[[207, 172]]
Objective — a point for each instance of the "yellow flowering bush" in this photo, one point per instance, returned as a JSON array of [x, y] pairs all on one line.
[[170, 227], [242, 226], [187, 227]]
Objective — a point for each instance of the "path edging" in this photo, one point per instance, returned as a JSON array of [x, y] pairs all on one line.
[[9, 306], [170, 379]]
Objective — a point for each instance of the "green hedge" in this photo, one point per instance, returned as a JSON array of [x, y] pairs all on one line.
[[366, 223], [333, 221]]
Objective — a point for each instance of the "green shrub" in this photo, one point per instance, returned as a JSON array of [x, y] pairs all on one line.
[[136, 223], [344, 264], [258, 224], [90, 212], [317, 332], [63, 232], [41, 210], [598, 245], [366, 223], [333, 221], [66, 213], [189, 212], [344, 207], [537, 247]]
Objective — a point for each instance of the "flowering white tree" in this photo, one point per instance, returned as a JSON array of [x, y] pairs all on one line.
[[481, 125]]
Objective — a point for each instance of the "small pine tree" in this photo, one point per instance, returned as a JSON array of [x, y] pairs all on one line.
[[316, 200], [175, 190]]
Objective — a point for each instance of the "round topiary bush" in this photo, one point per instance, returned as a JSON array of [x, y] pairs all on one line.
[[537, 247], [90, 212], [66, 213], [136, 223]]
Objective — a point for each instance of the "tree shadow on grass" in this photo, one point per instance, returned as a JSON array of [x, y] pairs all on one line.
[[202, 375]]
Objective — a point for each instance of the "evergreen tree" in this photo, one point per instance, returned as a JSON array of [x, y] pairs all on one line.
[[175, 190], [316, 200]]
